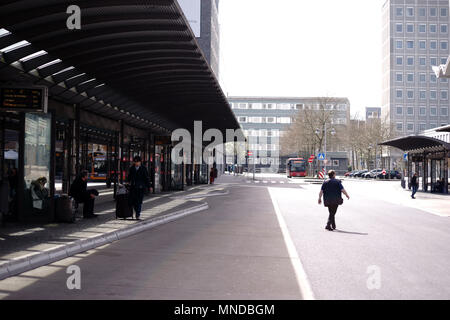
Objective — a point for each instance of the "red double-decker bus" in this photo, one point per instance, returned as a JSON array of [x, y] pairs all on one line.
[[296, 167]]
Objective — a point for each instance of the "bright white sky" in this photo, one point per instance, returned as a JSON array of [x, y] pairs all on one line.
[[302, 48]]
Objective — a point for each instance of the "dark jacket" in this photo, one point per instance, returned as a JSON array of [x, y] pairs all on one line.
[[78, 189], [332, 190], [414, 181], [139, 179]]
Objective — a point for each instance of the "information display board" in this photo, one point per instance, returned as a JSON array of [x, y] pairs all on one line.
[[33, 99]]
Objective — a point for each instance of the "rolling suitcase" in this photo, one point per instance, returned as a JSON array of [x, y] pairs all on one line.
[[123, 208]]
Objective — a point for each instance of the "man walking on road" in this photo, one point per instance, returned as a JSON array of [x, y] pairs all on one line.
[[414, 185], [331, 191]]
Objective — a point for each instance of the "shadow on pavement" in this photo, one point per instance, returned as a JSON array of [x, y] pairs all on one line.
[[349, 232]]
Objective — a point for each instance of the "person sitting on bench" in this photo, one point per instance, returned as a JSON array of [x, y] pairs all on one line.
[[78, 190], [40, 195]]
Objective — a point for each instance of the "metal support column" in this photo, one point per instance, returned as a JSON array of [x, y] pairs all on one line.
[[52, 155], [121, 138], [446, 155], [21, 171], [77, 139]]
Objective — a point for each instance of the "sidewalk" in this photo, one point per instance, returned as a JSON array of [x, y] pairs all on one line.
[[25, 247]]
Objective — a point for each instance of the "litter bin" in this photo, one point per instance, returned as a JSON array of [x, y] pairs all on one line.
[[64, 209]]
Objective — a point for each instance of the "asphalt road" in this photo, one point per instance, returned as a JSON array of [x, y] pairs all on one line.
[[384, 248]]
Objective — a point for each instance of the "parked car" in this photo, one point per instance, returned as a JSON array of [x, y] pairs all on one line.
[[394, 174], [372, 173], [352, 174], [360, 173]]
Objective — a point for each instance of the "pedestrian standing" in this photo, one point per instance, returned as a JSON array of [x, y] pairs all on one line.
[[414, 185], [332, 198], [139, 181], [211, 176]]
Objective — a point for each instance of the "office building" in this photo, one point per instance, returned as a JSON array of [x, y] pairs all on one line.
[[203, 17], [264, 120], [415, 38]]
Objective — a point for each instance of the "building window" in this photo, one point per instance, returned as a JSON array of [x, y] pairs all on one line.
[[433, 44], [433, 125], [242, 106], [443, 60], [410, 61], [433, 12], [399, 77], [399, 44], [443, 28], [444, 111], [433, 78], [410, 94], [422, 95], [444, 45], [399, 126], [399, 93], [433, 61], [399, 27], [270, 120], [410, 77], [433, 111], [410, 12], [409, 28], [399, 61], [399, 110], [422, 44], [422, 28], [422, 111], [422, 126], [243, 119], [422, 61], [444, 95], [422, 77], [433, 95], [443, 80], [399, 12], [410, 44], [410, 127], [443, 12], [433, 28], [422, 12], [410, 111]]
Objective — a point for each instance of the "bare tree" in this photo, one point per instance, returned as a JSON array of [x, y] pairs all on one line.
[[306, 135]]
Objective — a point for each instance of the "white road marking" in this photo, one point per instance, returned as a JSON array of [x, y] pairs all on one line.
[[302, 278], [265, 181]]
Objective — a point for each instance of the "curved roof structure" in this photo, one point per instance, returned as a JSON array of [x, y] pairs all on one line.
[[136, 60], [417, 143]]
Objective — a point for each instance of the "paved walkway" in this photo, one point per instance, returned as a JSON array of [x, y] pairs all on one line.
[[21, 241]]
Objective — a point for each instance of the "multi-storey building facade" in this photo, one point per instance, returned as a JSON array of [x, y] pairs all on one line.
[[264, 120], [415, 38], [203, 18], [372, 113]]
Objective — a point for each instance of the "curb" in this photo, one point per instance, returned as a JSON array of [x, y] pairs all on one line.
[[33, 261]]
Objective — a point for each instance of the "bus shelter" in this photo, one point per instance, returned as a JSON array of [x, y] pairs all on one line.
[[429, 158]]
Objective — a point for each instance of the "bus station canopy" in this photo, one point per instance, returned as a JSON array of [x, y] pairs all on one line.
[[135, 60], [417, 143]]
